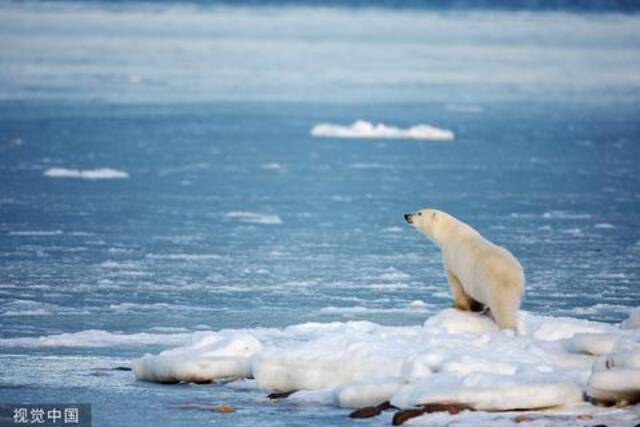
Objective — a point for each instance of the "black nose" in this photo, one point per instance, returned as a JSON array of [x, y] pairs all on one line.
[[407, 217]]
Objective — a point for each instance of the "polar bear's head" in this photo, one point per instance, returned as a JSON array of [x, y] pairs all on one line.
[[435, 224]]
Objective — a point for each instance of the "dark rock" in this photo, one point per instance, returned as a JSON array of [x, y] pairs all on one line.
[[401, 417], [366, 412], [385, 406], [122, 368], [452, 408], [371, 411], [281, 394]]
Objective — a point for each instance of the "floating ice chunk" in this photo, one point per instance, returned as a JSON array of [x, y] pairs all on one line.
[[274, 166], [417, 305], [36, 233], [371, 393], [213, 357], [488, 392], [616, 377], [594, 344], [364, 129], [633, 321], [91, 174], [369, 166], [557, 328], [604, 225], [255, 218], [392, 230], [565, 215]]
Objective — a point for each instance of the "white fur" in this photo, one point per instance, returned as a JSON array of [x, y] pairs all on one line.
[[477, 269]]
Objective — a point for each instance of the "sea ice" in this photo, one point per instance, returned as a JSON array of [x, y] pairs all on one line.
[[367, 130], [255, 217], [454, 357], [213, 357]]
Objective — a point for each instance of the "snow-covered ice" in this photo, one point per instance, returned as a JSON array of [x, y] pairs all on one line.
[[453, 357], [211, 357], [367, 130]]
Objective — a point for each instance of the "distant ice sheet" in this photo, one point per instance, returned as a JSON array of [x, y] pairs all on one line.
[[101, 338], [367, 130], [91, 174], [255, 217], [36, 233]]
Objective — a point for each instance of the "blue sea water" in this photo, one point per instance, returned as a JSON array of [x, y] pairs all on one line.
[[234, 216]]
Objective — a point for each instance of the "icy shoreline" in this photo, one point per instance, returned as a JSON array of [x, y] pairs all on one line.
[[454, 357]]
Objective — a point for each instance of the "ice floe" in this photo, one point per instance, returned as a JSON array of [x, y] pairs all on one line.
[[455, 357], [212, 357], [101, 338], [368, 130], [36, 233], [254, 217], [90, 174]]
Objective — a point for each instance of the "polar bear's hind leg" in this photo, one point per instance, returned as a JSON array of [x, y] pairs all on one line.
[[461, 300], [504, 307]]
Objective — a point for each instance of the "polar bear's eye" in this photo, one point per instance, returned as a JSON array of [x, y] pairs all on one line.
[[419, 213]]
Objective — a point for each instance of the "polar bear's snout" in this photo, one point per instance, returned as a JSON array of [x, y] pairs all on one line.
[[409, 218]]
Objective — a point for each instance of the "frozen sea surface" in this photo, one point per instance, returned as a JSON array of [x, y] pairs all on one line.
[[159, 180]]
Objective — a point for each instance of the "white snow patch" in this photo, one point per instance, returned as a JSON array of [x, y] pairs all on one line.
[[255, 218], [91, 174], [368, 130]]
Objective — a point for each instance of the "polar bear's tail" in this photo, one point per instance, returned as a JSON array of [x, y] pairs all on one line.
[[504, 307]]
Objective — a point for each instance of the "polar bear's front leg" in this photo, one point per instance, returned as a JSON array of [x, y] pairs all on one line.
[[461, 300]]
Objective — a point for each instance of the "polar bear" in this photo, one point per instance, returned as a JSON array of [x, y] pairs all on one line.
[[479, 272]]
